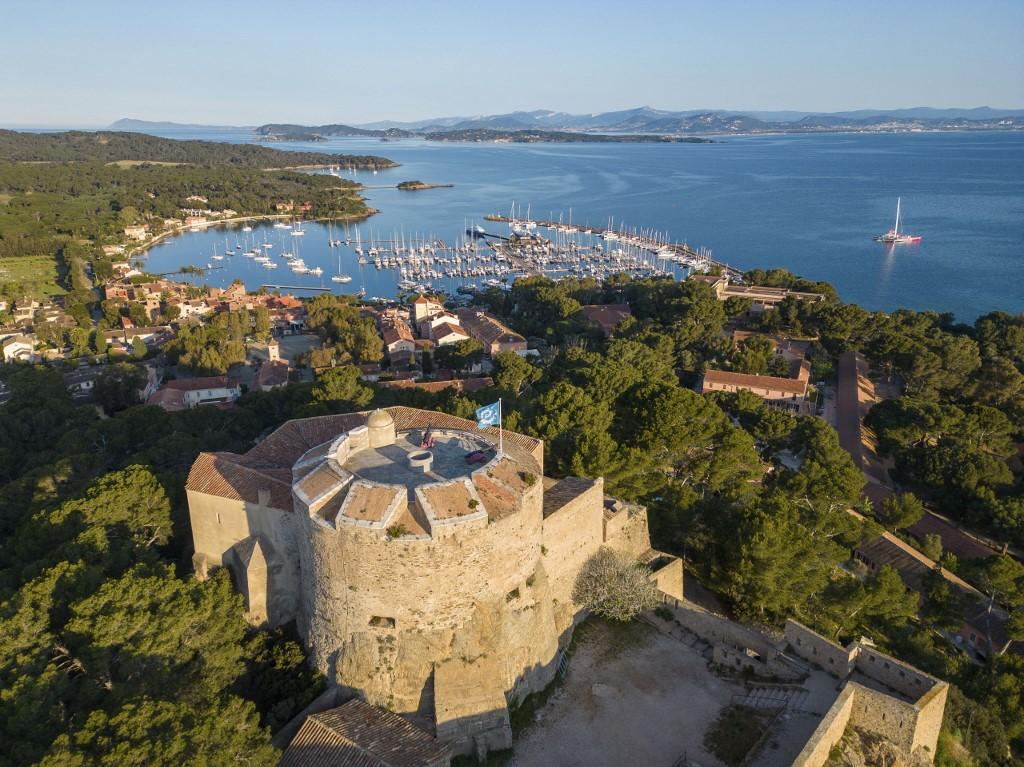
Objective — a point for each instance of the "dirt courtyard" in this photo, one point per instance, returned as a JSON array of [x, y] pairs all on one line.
[[632, 696]]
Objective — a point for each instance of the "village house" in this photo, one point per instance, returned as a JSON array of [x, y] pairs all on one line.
[[426, 325], [447, 333], [194, 222], [154, 336], [188, 393], [139, 232], [492, 333], [982, 632], [397, 337], [25, 310], [19, 348], [271, 375], [783, 393], [423, 308], [606, 316], [113, 250]]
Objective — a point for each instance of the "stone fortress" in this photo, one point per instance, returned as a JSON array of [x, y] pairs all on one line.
[[431, 574], [428, 572]]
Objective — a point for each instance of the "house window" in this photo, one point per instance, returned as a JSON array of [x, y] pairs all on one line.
[[378, 621]]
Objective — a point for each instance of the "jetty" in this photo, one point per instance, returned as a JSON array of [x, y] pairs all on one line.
[[680, 252]]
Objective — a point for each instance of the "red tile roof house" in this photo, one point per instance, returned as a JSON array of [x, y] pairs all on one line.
[[272, 374], [606, 316], [447, 333], [495, 335], [783, 393], [398, 338], [193, 392]]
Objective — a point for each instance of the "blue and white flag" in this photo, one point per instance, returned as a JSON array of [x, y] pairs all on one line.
[[488, 415]]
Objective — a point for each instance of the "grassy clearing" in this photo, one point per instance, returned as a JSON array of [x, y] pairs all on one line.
[[30, 275], [5, 198], [735, 732]]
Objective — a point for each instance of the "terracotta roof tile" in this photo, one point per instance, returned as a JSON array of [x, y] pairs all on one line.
[[357, 734]]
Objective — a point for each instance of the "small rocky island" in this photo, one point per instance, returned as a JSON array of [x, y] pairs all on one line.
[[415, 186]]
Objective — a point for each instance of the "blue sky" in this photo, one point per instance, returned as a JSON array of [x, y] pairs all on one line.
[[243, 63]]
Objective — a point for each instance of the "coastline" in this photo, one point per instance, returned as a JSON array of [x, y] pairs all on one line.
[[142, 248]]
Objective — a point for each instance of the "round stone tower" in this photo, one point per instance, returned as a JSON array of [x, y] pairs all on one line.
[[421, 567]]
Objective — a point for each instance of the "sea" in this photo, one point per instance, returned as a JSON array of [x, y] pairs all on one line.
[[807, 203]]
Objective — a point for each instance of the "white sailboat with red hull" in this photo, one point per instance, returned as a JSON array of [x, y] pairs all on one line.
[[893, 236]]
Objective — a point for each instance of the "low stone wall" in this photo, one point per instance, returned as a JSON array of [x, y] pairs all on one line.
[[716, 629], [668, 576], [814, 648], [893, 673]]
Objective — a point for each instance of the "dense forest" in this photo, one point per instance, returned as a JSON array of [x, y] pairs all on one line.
[[108, 146]]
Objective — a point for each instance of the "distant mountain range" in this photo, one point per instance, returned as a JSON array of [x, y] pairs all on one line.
[[642, 120], [142, 126]]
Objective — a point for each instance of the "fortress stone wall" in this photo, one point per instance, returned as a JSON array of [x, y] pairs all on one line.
[[433, 587], [882, 695]]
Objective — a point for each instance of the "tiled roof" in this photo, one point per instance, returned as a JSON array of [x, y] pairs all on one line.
[[357, 734], [268, 465], [209, 382], [446, 329], [606, 315], [558, 494], [227, 476], [954, 540], [487, 329], [747, 381], [272, 374]]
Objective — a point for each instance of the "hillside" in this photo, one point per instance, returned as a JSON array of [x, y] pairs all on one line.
[[105, 146], [285, 130]]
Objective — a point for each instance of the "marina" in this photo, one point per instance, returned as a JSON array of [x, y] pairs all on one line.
[[811, 204], [475, 259]]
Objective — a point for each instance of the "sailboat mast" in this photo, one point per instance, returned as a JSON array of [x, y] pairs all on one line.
[[897, 229]]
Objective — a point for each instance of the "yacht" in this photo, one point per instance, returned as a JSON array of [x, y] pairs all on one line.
[[893, 236]]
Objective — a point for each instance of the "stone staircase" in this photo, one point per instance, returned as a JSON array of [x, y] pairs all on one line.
[[770, 697]]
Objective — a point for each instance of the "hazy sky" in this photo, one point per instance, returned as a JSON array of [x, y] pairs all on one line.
[[89, 62]]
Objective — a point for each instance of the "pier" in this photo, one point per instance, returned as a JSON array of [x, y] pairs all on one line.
[[683, 251]]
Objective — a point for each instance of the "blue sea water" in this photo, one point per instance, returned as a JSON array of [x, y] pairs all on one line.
[[808, 203]]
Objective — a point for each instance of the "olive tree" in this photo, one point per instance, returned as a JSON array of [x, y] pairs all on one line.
[[614, 586]]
